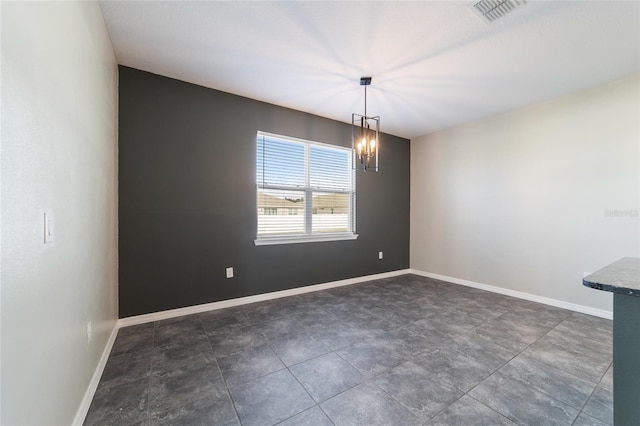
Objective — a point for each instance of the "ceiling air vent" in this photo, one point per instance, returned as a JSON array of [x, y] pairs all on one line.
[[495, 9]]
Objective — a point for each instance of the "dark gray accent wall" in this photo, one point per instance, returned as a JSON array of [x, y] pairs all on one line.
[[187, 199]]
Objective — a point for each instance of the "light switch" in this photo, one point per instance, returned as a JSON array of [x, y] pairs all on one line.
[[48, 227], [229, 272]]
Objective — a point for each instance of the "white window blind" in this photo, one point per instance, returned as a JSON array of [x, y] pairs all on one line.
[[305, 190]]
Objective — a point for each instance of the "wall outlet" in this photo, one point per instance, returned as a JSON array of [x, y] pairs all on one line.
[[89, 332], [230, 272], [379, 255]]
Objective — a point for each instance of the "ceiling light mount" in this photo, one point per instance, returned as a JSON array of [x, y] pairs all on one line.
[[365, 132]]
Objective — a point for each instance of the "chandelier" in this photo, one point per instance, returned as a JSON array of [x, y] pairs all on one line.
[[364, 135]]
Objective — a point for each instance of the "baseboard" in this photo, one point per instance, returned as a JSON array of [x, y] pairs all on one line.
[[520, 295], [81, 414], [157, 316], [172, 313], [82, 411]]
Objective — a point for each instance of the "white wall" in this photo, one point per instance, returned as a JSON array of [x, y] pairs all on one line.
[[520, 200], [59, 154]]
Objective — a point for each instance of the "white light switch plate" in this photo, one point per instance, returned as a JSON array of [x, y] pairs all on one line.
[[229, 272]]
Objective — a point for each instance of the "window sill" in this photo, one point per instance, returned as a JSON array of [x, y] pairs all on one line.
[[266, 241]]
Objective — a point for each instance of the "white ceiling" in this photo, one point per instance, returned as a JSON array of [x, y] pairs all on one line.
[[434, 64]]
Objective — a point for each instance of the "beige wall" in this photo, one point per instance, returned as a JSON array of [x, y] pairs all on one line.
[[59, 142], [522, 200]]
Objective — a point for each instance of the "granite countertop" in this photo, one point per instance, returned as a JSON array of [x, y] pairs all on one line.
[[622, 277]]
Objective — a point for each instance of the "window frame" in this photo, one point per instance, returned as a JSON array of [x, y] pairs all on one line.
[[307, 211]]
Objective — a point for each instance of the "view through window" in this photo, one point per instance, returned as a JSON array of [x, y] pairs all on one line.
[[304, 188]]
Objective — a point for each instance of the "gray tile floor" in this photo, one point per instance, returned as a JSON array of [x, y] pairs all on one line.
[[400, 351]]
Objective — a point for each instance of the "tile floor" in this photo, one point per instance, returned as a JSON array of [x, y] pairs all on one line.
[[400, 351]]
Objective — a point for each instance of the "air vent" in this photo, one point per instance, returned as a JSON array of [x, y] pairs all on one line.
[[495, 9]]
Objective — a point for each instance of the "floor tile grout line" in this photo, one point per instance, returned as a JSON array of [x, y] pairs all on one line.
[[327, 415], [591, 417], [303, 387], [586, 402], [386, 330], [303, 411], [151, 374], [226, 385], [531, 344], [605, 373], [284, 367], [512, 419], [512, 358], [149, 379], [588, 338], [445, 408], [342, 391], [316, 403], [370, 378], [515, 421], [395, 399], [568, 372], [551, 396]]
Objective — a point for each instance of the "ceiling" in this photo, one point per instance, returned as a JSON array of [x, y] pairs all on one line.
[[434, 64]]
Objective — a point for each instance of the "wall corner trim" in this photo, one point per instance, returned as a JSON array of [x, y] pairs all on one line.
[[518, 294], [83, 409]]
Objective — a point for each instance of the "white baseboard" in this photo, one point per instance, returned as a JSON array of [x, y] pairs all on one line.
[[85, 404], [81, 414], [172, 313], [157, 316], [520, 295]]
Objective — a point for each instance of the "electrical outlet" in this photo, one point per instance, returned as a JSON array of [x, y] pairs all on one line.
[[230, 272], [379, 255], [89, 332]]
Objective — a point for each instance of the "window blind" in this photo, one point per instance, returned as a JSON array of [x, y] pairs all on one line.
[[304, 188]]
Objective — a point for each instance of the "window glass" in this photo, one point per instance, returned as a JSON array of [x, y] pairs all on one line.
[[330, 212], [273, 212], [304, 188]]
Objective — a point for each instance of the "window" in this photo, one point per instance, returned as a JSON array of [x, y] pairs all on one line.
[[305, 191]]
